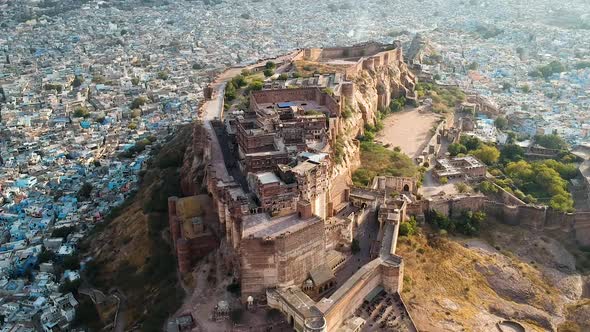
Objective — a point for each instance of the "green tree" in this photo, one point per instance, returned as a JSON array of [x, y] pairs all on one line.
[[542, 180], [62, 232], [511, 152], [87, 316], [163, 75], [81, 112], [268, 72], [462, 187], [239, 81], [487, 154], [554, 67], [256, 85], [138, 102], [85, 191], [470, 142], [54, 86], [473, 66], [270, 65], [70, 286], [443, 180], [397, 104], [566, 171], [456, 148], [408, 228], [77, 82], [487, 187], [71, 262], [551, 142], [230, 91], [501, 122], [467, 223], [45, 256]]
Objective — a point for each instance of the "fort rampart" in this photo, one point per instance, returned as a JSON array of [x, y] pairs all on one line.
[[538, 218]]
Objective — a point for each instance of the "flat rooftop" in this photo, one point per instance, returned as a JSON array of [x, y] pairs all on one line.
[[297, 299], [261, 225], [306, 105], [304, 167], [267, 177]]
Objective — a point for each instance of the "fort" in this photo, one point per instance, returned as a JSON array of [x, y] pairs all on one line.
[[287, 214], [286, 218]]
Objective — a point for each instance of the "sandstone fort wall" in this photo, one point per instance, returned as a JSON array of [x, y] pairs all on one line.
[[258, 266], [538, 218], [352, 298], [282, 261], [300, 252]]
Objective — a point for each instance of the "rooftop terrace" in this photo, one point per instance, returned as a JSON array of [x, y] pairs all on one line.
[[261, 225]]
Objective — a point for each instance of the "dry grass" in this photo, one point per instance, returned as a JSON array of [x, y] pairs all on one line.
[[448, 272]]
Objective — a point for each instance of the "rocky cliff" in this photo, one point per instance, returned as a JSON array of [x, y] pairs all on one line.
[[192, 171], [374, 89]]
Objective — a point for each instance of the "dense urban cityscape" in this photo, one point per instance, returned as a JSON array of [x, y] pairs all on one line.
[[320, 133]]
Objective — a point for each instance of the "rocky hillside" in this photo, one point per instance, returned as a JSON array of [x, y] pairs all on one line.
[[131, 250], [363, 110], [192, 171], [472, 284]]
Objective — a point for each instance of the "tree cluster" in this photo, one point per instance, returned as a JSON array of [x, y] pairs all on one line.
[[408, 228], [397, 104], [163, 75], [54, 86], [545, 180], [467, 223], [77, 82], [501, 122], [138, 102], [488, 154], [551, 142], [81, 112], [444, 99], [84, 192], [554, 67]]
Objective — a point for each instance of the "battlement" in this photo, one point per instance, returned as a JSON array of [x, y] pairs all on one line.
[[354, 59], [348, 52]]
